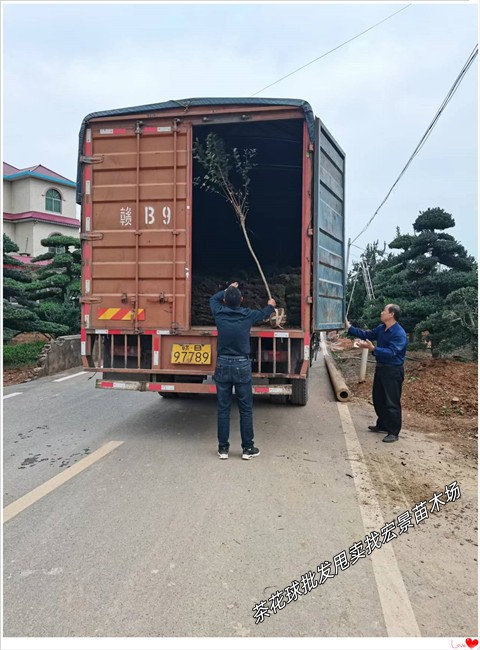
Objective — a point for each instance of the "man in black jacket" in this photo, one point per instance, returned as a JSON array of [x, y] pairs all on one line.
[[233, 366]]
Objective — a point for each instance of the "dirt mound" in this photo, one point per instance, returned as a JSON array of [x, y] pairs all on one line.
[[342, 344], [13, 376], [441, 388], [439, 396], [437, 387], [30, 337]]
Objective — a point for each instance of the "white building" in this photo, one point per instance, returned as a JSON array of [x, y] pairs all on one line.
[[37, 203]]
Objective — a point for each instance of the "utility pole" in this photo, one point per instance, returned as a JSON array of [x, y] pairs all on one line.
[[371, 296]]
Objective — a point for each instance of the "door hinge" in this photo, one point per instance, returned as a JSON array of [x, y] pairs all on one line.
[[91, 236], [162, 298], [92, 160], [309, 300], [89, 300]]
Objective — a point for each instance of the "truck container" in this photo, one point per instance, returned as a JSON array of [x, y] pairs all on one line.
[[149, 232]]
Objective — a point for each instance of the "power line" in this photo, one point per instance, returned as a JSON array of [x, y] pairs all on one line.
[[330, 51], [427, 133]]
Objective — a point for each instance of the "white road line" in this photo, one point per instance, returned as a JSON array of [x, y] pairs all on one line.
[[11, 395], [323, 343], [397, 610], [35, 495], [77, 374]]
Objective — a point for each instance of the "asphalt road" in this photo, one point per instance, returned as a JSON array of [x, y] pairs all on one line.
[[160, 538]]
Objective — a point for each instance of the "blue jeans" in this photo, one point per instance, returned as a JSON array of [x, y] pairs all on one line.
[[229, 372]]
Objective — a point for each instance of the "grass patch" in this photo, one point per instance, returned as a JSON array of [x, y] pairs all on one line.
[[22, 354]]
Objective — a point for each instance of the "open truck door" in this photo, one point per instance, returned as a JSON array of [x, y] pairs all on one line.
[[329, 232]]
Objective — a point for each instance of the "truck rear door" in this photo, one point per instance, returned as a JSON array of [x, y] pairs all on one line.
[[329, 232], [137, 224]]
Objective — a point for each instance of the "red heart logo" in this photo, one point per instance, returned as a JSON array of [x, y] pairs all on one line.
[[471, 642]]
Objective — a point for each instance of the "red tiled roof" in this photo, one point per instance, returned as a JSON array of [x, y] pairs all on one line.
[[41, 169], [37, 169], [9, 169], [42, 216], [27, 260]]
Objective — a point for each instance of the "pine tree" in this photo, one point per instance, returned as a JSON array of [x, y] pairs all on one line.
[[432, 279], [19, 309], [57, 285], [61, 278]]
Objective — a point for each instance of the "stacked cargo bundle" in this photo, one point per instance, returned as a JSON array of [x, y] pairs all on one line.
[[285, 288]]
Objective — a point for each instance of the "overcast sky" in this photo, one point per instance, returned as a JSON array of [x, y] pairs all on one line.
[[377, 95]]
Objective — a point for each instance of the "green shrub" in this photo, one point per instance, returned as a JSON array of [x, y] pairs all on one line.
[[65, 313], [417, 347], [22, 354]]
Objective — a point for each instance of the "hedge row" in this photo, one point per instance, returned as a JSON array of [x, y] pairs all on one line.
[[22, 354]]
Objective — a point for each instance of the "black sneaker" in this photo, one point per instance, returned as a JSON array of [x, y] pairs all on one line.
[[390, 438], [223, 453], [250, 452], [376, 429]]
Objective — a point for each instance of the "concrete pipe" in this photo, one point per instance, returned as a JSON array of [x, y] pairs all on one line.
[[340, 388], [363, 366]]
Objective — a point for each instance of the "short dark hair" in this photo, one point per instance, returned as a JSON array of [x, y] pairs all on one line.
[[395, 310], [233, 297]]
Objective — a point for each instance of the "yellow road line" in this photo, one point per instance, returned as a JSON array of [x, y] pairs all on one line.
[[35, 495]]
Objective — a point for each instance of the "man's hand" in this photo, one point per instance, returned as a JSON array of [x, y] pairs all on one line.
[[234, 284], [347, 324], [272, 302], [366, 345]]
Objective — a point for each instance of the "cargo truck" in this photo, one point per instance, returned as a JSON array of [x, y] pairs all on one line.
[[149, 231]]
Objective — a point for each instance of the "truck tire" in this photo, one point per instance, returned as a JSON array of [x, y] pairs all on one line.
[[299, 392]]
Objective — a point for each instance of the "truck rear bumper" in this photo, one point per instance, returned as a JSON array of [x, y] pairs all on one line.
[[284, 354], [208, 389]]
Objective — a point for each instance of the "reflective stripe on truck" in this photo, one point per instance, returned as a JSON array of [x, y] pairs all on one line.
[[144, 386], [115, 313], [306, 347]]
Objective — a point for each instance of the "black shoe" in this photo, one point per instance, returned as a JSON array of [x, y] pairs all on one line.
[[250, 452], [376, 429], [390, 438], [223, 452]]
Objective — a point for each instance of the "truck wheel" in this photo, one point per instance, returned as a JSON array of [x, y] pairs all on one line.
[[299, 392]]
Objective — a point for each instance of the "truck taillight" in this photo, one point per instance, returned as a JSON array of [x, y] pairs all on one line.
[[280, 355], [119, 350]]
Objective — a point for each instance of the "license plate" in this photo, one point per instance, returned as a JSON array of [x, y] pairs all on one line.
[[192, 353]]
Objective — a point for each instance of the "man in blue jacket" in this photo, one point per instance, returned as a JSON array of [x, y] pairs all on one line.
[[389, 374], [233, 366]]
